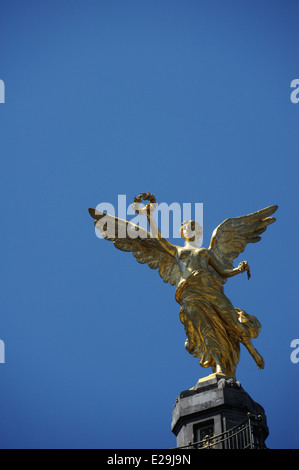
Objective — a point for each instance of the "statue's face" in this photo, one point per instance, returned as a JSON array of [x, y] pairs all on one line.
[[191, 231]]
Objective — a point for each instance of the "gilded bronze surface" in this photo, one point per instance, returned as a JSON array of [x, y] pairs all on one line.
[[214, 328]]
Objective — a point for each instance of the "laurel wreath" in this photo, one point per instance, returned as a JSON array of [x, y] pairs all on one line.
[[144, 197]]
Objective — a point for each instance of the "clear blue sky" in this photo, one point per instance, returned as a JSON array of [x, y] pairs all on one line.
[[188, 100]]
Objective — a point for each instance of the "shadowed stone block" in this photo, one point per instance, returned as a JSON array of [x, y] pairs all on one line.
[[215, 405]]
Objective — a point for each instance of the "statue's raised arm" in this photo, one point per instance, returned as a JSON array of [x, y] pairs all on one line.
[[127, 236]]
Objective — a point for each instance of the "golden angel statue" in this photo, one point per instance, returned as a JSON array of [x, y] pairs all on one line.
[[214, 328]]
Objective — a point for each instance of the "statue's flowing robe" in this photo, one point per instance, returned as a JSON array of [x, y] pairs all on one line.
[[210, 323]]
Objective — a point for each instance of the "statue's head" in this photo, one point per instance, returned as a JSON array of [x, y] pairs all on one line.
[[191, 231]]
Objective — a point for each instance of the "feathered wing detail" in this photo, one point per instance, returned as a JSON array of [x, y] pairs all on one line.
[[230, 238], [127, 236]]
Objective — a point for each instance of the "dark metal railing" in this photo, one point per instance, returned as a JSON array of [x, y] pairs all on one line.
[[246, 435]]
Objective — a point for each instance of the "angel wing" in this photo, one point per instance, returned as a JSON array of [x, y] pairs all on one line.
[[127, 236], [230, 238]]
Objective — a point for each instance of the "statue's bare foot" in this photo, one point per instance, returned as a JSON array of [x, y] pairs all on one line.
[[255, 354], [219, 369], [259, 360]]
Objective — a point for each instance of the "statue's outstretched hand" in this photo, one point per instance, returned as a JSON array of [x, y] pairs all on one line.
[[244, 266]]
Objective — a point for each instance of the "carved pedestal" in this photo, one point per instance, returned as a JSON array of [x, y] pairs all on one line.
[[218, 413]]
